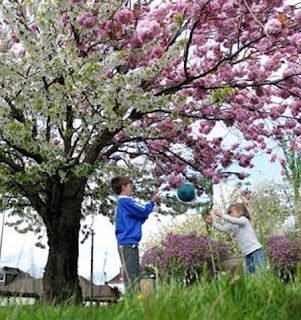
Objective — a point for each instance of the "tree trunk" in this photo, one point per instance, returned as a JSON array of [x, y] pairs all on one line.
[[62, 220]]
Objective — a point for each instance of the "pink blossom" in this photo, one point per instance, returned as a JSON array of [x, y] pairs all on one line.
[[296, 39], [273, 27], [290, 123], [167, 188], [216, 180], [14, 38], [297, 130], [263, 145], [214, 5], [22, 52], [157, 51], [157, 144], [76, 1], [181, 6], [242, 176], [274, 113], [136, 41], [121, 134], [158, 171], [199, 193], [234, 146], [56, 142], [229, 25], [241, 115], [33, 27], [298, 17], [272, 65], [6, 21], [208, 172], [175, 181], [225, 162], [287, 9], [124, 16], [228, 7], [249, 147], [65, 18], [240, 99], [264, 44], [282, 161], [243, 160], [104, 29], [160, 13], [148, 30], [87, 20], [273, 157]]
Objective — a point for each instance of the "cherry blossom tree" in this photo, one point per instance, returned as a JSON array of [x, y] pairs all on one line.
[[88, 85]]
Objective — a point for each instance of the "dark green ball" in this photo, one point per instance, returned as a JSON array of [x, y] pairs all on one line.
[[186, 192]]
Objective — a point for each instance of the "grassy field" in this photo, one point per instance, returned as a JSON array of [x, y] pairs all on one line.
[[239, 297]]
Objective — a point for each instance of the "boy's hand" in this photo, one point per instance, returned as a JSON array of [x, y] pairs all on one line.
[[217, 213], [208, 219], [156, 198]]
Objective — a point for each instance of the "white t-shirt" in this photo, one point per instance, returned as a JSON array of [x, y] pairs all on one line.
[[242, 231]]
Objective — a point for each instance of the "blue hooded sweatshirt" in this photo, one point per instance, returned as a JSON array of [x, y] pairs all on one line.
[[129, 219]]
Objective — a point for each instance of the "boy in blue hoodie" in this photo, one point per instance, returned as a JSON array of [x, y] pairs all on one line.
[[128, 229]]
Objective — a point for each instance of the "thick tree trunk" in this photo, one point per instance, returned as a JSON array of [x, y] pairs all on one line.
[[62, 220]]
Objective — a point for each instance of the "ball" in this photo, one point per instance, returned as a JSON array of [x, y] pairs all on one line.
[[186, 192]]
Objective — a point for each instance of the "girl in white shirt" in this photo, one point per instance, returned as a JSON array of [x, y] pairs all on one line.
[[239, 223]]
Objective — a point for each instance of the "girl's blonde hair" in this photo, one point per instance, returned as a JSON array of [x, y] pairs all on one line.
[[241, 208]]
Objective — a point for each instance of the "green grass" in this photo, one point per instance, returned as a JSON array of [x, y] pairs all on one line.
[[240, 297]]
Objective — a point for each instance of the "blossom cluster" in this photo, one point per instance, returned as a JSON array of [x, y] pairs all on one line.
[[173, 80], [87, 20], [284, 253], [183, 255]]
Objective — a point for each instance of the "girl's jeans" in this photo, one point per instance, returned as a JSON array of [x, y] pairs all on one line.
[[255, 260]]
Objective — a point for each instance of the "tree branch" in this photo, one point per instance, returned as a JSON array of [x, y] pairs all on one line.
[[188, 80]]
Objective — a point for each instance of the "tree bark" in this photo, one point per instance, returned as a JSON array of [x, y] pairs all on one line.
[[62, 220]]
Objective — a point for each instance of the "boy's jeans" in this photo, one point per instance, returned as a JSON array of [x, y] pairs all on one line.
[[255, 260], [129, 256]]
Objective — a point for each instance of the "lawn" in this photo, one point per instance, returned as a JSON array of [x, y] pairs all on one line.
[[238, 297]]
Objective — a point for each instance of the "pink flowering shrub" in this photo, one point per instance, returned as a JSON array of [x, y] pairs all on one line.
[[285, 254], [184, 256]]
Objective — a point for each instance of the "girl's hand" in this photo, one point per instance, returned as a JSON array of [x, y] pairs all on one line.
[[217, 213], [208, 219]]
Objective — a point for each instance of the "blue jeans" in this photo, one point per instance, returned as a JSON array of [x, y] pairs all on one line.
[[255, 260]]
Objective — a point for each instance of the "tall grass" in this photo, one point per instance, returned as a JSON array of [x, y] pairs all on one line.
[[238, 297]]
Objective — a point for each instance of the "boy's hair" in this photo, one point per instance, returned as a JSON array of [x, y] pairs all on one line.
[[118, 182], [240, 207]]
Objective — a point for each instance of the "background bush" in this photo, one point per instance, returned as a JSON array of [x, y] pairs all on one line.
[[184, 256], [284, 254]]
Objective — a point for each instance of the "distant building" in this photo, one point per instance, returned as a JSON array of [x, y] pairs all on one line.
[[117, 281], [18, 287]]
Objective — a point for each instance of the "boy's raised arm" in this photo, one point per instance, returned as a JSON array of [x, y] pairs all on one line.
[[140, 212]]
